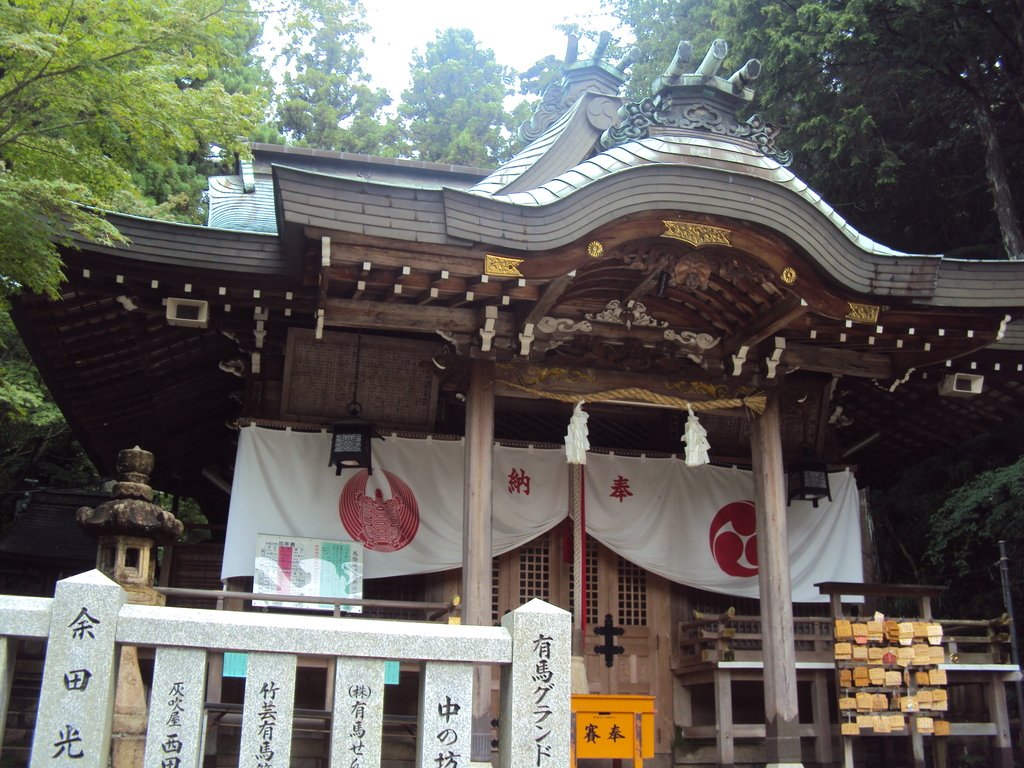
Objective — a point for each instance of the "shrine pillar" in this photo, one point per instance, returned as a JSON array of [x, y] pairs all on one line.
[[476, 537], [780, 692]]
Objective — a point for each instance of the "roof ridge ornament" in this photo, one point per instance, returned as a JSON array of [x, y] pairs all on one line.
[[698, 101], [578, 77]]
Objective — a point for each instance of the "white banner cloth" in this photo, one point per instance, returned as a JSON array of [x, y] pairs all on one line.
[[695, 525], [692, 525], [283, 486]]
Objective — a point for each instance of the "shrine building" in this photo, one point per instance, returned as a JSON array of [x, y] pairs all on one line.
[[733, 363]]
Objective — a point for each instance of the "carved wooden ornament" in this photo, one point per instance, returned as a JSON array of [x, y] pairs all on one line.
[[502, 266], [696, 234], [863, 313]]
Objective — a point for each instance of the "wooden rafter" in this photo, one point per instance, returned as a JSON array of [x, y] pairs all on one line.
[[768, 324]]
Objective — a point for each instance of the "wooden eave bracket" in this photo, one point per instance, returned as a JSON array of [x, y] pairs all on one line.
[[325, 282], [738, 359], [776, 356], [488, 331], [526, 339], [260, 315]]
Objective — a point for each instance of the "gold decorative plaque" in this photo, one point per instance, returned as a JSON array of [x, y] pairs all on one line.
[[502, 266], [863, 313], [696, 234], [595, 249], [788, 275]]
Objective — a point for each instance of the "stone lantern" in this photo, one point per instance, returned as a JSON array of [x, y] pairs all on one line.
[[129, 528]]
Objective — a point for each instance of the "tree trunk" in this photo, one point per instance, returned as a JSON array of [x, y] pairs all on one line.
[[995, 169]]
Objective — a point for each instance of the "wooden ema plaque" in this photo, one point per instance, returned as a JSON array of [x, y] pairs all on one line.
[[888, 676]]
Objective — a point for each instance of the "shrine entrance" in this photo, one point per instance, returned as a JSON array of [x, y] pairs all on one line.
[[639, 603]]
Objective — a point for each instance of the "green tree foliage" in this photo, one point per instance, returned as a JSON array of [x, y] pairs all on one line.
[[174, 186], [91, 90], [657, 27], [326, 99], [979, 513], [537, 78], [454, 110], [905, 115], [941, 522]]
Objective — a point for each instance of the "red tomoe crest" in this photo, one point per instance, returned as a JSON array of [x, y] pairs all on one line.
[[383, 525], [734, 539]]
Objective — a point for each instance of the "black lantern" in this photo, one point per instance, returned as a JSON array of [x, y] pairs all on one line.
[[350, 438], [807, 479], [350, 445]]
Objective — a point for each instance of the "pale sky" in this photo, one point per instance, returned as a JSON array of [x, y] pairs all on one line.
[[519, 32]]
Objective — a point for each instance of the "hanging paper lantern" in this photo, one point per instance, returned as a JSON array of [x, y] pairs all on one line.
[[576, 442], [696, 439]]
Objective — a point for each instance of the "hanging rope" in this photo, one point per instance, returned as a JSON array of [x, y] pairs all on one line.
[[579, 600], [755, 402]]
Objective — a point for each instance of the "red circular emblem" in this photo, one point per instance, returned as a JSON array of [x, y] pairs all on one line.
[[734, 539], [383, 525]]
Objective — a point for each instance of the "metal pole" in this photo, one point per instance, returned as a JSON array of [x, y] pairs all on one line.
[[1004, 574]]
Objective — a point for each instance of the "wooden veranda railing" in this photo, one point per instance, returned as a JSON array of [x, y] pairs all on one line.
[[728, 636], [89, 620], [724, 648], [734, 637]]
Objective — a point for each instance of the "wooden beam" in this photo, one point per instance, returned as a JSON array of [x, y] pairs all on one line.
[[995, 696], [645, 285], [346, 313], [776, 319], [820, 699], [725, 744], [940, 352], [459, 261], [824, 411], [580, 382], [526, 328], [782, 715], [840, 362], [476, 536], [476, 527], [551, 294]]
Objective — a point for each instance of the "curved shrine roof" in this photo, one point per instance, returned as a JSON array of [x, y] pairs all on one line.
[[327, 243], [694, 173]]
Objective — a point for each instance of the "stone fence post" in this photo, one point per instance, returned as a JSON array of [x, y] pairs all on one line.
[[535, 719], [76, 703], [90, 614]]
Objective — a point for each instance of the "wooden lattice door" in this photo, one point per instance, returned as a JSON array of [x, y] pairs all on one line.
[[543, 569], [621, 590]]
